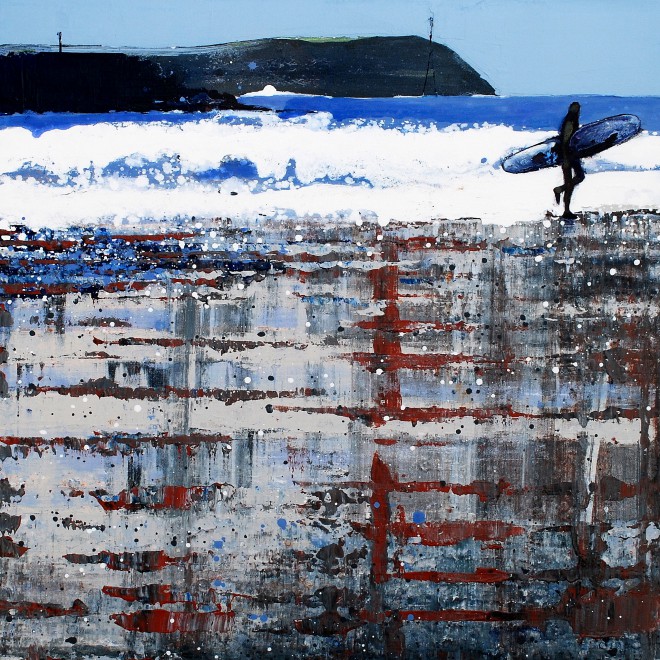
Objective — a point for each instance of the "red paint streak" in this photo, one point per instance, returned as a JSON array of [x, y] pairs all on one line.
[[376, 417], [385, 281], [400, 325], [24, 289], [382, 485], [150, 593], [592, 613], [485, 490], [426, 443], [164, 621], [139, 238], [132, 441], [104, 387], [383, 482], [451, 533], [614, 489], [38, 653], [10, 549], [309, 258], [385, 347], [628, 490], [160, 498], [385, 284], [143, 562], [48, 246], [47, 262], [601, 612], [213, 282], [419, 243], [55, 246], [30, 610], [481, 576], [381, 359]]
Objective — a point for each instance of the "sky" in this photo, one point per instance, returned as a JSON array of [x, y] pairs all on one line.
[[519, 46]]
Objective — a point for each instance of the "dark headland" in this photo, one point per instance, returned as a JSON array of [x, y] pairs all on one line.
[[88, 79]]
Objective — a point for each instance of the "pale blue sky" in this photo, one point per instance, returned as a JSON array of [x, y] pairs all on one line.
[[520, 46]]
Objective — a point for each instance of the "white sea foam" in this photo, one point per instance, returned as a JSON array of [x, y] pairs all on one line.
[[111, 172]]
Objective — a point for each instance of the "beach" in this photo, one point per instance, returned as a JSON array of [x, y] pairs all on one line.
[[306, 387]]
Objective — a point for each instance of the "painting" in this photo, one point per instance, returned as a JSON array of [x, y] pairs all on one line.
[[335, 338]]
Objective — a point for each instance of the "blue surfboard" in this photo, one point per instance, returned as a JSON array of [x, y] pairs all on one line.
[[588, 140]]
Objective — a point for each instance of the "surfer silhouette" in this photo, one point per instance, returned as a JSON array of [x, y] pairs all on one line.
[[570, 164]]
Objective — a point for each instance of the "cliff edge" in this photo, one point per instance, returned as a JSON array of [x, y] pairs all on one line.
[[87, 79]]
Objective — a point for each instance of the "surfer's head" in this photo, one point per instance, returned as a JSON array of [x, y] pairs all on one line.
[[574, 108]]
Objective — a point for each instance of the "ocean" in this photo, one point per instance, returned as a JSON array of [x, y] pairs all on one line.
[[415, 159]]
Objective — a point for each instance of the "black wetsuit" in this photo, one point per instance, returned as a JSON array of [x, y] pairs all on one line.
[[569, 163]]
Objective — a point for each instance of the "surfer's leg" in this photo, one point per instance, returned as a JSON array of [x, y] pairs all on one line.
[[579, 173], [559, 190], [567, 203], [576, 167]]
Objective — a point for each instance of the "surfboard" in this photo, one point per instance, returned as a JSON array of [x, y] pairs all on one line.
[[588, 140]]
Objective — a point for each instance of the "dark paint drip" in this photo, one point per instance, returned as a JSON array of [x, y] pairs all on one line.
[[222, 346], [27, 610], [143, 562], [160, 498], [150, 593], [8, 493], [452, 533], [8, 522], [104, 387], [113, 444], [165, 621]]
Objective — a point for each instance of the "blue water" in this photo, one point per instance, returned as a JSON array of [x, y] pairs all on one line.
[[520, 112]]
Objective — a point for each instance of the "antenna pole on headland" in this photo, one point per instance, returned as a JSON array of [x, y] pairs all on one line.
[[429, 62], [59, 37]]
